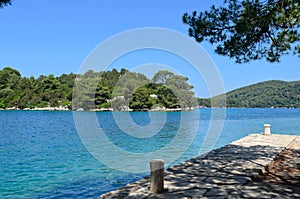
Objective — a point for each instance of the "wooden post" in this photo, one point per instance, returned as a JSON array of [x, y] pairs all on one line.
[[157, 176], [267, 130]]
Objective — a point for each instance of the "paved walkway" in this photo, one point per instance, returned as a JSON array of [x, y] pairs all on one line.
[[256, 166]]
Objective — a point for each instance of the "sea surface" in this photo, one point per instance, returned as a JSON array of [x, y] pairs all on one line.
[[43, 154]]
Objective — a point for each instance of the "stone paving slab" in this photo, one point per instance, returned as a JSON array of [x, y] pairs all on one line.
[[285, 169], [228, 172]]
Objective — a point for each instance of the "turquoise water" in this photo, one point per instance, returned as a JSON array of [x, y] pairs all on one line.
[[42, 156]]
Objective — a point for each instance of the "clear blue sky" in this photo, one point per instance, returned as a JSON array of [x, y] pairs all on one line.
[[54, 37]]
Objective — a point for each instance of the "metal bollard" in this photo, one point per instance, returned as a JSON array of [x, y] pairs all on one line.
[[157, 176]]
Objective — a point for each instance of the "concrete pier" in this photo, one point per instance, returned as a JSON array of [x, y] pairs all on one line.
[[256, 166]]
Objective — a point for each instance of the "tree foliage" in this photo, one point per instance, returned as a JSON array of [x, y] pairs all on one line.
[[248, 30], [93, 90], [22, 92], [163, 97], [161, 76], [4, 3], [172, 91]]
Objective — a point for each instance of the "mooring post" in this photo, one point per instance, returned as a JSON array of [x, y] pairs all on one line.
[[157, 176], [267, 130]]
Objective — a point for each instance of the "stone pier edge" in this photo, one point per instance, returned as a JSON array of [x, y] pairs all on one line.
[[252, 154]]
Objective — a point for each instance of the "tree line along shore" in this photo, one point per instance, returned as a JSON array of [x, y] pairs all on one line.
[[129, 91], [100, 91]]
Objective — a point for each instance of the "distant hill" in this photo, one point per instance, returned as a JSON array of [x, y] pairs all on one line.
[[266, 94]]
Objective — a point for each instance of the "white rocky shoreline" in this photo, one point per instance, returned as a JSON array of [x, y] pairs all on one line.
[[64, 108]]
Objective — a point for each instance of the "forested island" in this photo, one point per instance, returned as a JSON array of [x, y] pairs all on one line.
[[124, 91], [106, 90]]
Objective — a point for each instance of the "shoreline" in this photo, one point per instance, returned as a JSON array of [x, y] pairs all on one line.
[[111, 110], [132, 110], [97, 110]]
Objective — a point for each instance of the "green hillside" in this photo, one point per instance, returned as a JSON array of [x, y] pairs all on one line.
[[267, 94]]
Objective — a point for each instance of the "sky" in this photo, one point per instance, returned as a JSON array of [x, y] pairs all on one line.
[[56, 37]]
